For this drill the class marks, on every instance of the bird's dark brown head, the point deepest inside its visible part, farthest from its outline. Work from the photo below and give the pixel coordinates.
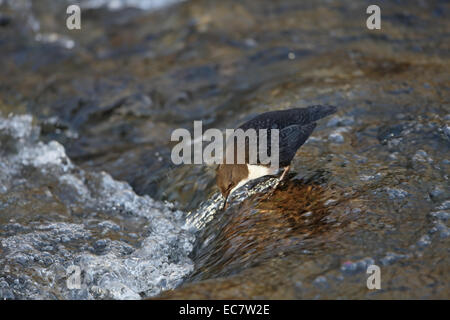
(228, 176)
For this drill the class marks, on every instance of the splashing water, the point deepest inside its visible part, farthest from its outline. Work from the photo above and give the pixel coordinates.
(124, 245)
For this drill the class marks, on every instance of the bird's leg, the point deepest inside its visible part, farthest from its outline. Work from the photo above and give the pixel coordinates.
(285, 170)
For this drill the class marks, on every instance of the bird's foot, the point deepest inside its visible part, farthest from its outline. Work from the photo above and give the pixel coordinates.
(274, 188)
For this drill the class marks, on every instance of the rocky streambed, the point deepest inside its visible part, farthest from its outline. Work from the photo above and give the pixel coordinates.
(88, 191)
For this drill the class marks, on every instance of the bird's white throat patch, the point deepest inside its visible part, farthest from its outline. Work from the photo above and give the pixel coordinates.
(255, 172)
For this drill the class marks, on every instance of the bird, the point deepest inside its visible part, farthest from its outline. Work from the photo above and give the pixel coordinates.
(295, 125)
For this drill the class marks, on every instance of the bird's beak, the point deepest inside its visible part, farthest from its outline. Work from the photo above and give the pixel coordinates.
(225, 204)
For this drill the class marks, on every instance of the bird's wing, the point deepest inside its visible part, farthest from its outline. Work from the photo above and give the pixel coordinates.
(283, 118)
(291, 139)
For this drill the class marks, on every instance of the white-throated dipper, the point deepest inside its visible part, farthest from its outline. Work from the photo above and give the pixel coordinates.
(294, 125)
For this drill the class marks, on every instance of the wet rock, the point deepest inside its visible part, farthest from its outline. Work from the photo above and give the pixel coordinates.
(443, 215)
(446, 130)
(108, 225)
(424, 241)
(350, 267)
(395, 193)
(336, 137)
(444, 231)
(56, 39)
(389, 133)
(437, 193)
(392, 257)
(421, 156)
(444, 205)
(341, 121)
(321, 281)
(138, 105)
